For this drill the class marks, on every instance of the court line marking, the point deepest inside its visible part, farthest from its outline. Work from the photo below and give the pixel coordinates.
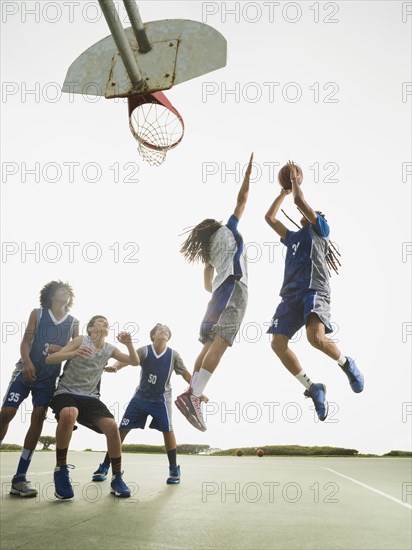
(409, 506)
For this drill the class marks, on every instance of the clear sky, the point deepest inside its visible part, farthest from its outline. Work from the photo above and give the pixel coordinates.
(327, 84)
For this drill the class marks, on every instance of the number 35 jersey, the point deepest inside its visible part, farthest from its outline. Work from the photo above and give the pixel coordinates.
(48, 331)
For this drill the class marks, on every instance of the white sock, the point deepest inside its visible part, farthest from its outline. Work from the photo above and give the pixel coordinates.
(342, 360)
(199, 384)
(304, 379)
(194, 376)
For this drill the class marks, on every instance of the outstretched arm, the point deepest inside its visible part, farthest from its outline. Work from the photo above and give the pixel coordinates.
(73, 349)
(271, 218)
(244, 191)
(298, 197)
(131, 359)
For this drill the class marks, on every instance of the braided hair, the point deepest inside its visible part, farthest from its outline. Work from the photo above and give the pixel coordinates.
(332, 253)
(197, 245)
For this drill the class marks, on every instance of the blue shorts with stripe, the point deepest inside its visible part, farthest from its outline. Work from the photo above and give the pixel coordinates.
(293, 311)
(139, 409)
(19, 389)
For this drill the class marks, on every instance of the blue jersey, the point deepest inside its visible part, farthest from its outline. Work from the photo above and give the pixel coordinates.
(48, 331)
(156, 372)
(305, 264)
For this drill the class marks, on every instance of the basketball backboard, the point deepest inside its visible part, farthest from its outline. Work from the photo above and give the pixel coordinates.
(180, 50)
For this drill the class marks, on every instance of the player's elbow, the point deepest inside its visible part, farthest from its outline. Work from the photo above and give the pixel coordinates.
(134, 363)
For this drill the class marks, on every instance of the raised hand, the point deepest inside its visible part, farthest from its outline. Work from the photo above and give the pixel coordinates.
(293, 171)
(124, 337)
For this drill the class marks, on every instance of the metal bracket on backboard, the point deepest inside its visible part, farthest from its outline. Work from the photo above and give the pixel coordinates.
(181, 50)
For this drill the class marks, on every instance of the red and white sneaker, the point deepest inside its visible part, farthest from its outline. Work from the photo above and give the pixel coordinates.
(189, 405)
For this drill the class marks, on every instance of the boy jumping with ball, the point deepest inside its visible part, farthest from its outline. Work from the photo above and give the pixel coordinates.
(306, 294)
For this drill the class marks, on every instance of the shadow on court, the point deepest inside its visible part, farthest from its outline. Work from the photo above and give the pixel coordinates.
(221, 503)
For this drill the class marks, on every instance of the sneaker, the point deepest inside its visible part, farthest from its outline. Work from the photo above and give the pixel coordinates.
(189, 405)
(101, 473)
(174, 475)
(119, 487)
(354, 375)
(318, 393)
(20, 487)
(62, 485)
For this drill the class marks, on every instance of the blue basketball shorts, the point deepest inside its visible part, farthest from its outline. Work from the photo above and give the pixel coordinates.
(19, 389)
(293, 311)
(138, 410)
(225, 311)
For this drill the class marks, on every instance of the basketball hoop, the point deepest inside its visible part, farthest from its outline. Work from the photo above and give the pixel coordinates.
(155, 124)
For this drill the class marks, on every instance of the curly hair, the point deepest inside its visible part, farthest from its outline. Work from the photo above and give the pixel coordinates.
(48, 291)
(197, 245)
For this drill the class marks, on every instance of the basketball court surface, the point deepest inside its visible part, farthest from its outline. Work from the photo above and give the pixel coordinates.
(221, 503)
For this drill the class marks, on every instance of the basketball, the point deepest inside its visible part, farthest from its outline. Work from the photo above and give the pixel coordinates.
(260, 452)
(239, 452)
(284, 176)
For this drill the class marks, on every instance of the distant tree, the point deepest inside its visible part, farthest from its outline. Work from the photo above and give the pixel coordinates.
(46, 441)
(11, 447)
(188, 449)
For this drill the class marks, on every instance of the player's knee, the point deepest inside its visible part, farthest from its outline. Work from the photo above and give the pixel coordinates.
(38, 416)
(7, 414)
(68, 416)
(316, 340)
(110, 428)
(279, 346)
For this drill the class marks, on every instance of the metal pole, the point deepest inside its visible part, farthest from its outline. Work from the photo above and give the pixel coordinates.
(119, 36)
(138, 29)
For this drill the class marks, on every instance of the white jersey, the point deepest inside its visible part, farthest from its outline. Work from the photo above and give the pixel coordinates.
(227, 254)
(81, 375)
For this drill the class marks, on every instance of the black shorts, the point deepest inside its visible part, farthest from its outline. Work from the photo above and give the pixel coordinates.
(90, 409)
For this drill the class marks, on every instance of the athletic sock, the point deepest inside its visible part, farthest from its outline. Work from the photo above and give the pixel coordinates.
(106, 460)
(200, 383)
(61, 457)
(304, 379)
(342, 360)
(194, 376)
(24, 461)
(172, 456)
(116, 465)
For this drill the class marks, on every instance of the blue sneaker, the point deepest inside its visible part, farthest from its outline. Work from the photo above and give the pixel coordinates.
(318, 394)
(62, 485)
(354, 375)
(101, 473)
(119, 487)
(174, 475)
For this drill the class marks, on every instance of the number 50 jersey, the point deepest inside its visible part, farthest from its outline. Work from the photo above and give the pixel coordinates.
(156, 372)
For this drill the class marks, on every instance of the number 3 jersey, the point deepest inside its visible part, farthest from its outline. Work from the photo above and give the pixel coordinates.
(49, 332)
(156, 372)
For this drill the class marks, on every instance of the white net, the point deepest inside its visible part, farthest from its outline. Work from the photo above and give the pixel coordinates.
(156, 128)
